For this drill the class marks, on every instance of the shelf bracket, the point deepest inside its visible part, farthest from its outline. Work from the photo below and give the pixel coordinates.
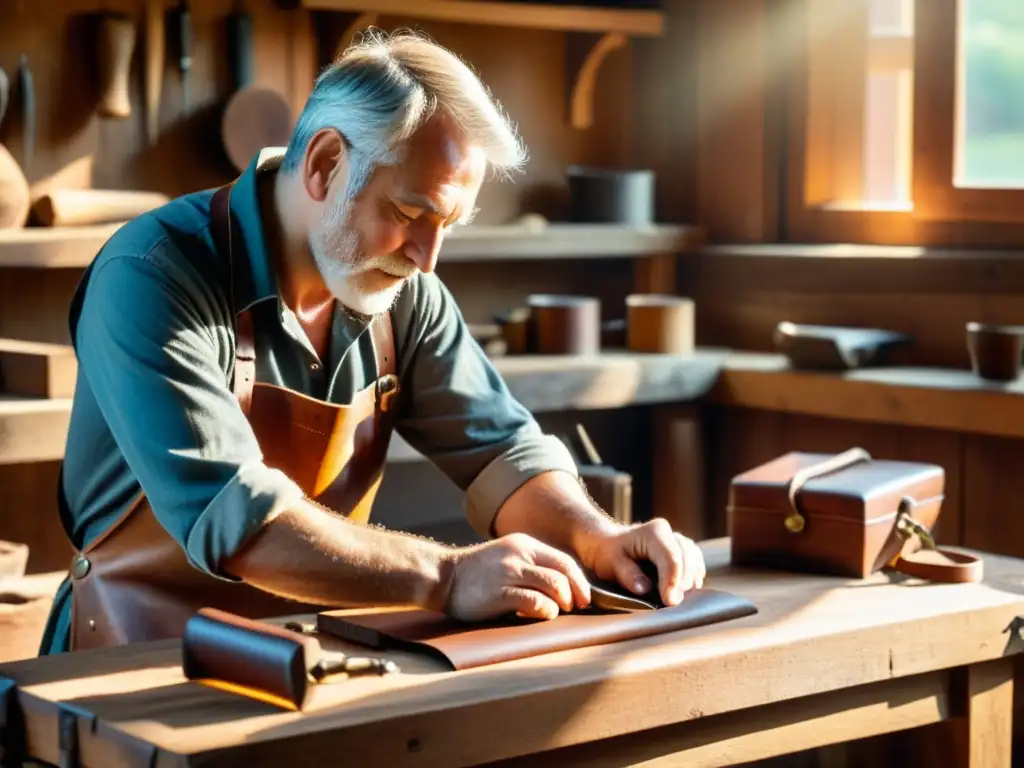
(581, 101)
(361, 23)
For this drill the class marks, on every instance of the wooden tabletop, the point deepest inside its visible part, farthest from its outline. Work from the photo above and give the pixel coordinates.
(811, 635)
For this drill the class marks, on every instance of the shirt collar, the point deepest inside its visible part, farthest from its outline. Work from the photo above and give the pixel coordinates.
(254, 277)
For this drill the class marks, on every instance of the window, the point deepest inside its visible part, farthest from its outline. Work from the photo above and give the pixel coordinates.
(908, 115)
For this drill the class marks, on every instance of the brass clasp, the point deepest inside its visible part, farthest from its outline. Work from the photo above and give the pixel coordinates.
(907, 526)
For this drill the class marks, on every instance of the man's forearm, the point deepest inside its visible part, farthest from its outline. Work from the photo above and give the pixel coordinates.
(554, 508)
(310, 554)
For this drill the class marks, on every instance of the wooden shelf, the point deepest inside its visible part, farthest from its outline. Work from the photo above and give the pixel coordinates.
(33, 429)
(53, 247)
(932, 398)
(66, 247)
(36, 429)
(567, 18)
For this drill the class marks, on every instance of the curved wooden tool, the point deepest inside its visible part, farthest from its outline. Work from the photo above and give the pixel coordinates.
(154, 72)
(117, 42)
(254, 117)
(79, 207)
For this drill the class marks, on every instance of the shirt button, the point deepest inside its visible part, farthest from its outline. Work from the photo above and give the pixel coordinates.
(314, 367)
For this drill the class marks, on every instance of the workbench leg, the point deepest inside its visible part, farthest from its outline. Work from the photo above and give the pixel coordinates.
(678, 473)
(985, 736)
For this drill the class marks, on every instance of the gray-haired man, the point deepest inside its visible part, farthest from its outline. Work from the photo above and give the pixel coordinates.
(232, 350)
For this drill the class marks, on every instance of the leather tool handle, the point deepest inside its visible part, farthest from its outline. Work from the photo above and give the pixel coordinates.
(117, 42)
(80, 207)
(940, 564)
(154, 73)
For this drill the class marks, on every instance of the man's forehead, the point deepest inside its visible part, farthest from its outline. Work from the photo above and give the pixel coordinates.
(438, 154)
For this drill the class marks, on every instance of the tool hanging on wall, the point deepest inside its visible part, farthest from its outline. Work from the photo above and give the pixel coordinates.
(183, 29)
(5, 92)
(14, 192)
(116, 46)
(255, 117)
(28, 113)
(154, 67)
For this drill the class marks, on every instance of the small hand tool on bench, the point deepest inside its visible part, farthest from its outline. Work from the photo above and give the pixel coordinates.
(264, 661)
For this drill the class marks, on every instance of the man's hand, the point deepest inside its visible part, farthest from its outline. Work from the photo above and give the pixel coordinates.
(515, 573)
(614, 555)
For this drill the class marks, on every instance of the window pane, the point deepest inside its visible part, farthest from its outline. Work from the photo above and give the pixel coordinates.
(892, 16)
(990, 130)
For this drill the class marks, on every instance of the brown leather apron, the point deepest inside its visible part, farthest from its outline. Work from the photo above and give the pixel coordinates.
(134, 584)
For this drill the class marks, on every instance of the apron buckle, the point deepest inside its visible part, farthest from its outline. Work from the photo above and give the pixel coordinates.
(387, 389)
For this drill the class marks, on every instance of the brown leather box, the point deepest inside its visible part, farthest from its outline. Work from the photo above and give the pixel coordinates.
(845, 515)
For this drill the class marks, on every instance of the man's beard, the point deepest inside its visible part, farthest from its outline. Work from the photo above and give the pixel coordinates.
(347, 272)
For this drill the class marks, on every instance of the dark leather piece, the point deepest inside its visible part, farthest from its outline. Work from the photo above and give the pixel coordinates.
(465, 646)
(262, 658)
(139, 586)
(849, 512)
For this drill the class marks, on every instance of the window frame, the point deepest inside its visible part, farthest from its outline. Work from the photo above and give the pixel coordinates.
(821, 193)
(936, 93)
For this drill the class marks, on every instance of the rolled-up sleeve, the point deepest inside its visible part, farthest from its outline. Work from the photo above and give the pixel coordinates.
(147, 345)
(458, 412)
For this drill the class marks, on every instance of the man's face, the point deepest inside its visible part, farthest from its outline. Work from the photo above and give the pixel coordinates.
(367, 247)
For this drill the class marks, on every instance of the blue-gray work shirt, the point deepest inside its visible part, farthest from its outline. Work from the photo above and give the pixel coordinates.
(153, 409)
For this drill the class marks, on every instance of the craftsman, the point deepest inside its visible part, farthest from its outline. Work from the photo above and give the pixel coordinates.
(316, 267)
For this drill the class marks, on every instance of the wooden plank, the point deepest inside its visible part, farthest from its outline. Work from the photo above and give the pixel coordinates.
(33, 429)
(36, 369)
(813, 635)
(646, 23)
(64, 247)
(53, 247)
(777, 729)
(921, 397)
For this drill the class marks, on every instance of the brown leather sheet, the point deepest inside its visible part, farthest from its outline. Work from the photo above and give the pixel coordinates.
(465, 646)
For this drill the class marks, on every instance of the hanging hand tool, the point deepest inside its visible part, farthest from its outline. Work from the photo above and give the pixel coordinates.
(28, 113)
(117, 43)
(183, 27)
(154, 68)
(254, 117)
(5, 90)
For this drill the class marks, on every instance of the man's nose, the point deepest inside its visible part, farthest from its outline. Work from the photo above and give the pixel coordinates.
(423, 247)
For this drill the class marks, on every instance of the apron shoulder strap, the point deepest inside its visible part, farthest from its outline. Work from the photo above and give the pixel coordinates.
(382, 332)
(245, 340)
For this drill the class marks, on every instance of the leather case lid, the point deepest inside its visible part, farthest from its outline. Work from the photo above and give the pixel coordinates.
(465, 646)
(860, 492)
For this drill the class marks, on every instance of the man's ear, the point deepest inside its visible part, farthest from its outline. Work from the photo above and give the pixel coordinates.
(326, 160)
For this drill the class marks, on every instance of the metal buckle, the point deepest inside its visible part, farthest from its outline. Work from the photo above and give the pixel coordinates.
(388, 387)
(12, 726)
(907, 526)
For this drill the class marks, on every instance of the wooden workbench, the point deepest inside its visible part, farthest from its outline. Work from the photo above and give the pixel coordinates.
(824, 661)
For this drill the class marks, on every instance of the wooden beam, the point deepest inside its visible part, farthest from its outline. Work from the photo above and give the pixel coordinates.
(567, 18)
(59, 247)
(779, 729)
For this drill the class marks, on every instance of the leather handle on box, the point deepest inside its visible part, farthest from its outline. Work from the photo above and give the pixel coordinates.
(944, 565)
(795, 520)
